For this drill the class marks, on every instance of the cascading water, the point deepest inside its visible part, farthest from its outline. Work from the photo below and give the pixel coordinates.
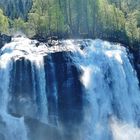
(9, 125)
(76, 90)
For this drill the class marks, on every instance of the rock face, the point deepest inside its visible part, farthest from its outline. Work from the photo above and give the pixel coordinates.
(4, 39)
(68, 86)
(135, 60)
(64, 93)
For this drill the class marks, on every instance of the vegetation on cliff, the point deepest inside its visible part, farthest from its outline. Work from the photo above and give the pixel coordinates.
(113, 20)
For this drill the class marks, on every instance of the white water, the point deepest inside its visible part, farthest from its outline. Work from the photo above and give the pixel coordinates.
(11, 130)
(39, 63)
(111, 92)
(112, 96)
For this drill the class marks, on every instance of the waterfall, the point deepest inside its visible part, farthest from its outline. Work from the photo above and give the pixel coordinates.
(9, 126)
(112, 93)
(75, 90)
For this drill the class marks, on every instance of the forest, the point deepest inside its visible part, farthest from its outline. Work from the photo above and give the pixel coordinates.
(113, 20)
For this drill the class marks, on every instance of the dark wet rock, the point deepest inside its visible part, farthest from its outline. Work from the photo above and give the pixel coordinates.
(82, 47)
(37, 44)
(22, 103)
(53, 41)
(53, 38)
(134, 57)
(4, 39)
(24, 99)
(39, 38)
(68, 87)
(18, 35)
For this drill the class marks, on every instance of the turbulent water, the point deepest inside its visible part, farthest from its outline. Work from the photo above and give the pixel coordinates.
(76, 90)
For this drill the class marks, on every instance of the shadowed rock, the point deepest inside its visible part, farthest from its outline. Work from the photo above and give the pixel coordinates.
(4, 39)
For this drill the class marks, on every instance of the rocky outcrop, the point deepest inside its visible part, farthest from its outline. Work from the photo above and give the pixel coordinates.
(4, 39)
(136, 61)
(49, 41)
(25, 100)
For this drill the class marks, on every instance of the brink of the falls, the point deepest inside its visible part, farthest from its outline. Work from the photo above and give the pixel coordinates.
(76, 90)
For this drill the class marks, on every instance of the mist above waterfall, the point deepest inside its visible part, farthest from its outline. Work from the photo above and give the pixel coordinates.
(74, 90)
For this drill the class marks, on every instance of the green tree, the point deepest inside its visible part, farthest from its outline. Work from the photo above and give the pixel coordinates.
(3, 23)
(19, 25)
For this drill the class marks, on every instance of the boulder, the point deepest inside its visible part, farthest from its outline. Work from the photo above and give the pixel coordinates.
(4, 39)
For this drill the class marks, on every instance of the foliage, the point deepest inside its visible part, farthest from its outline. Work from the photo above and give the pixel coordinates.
(114, 20)
(16, 8)
(3, 23)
